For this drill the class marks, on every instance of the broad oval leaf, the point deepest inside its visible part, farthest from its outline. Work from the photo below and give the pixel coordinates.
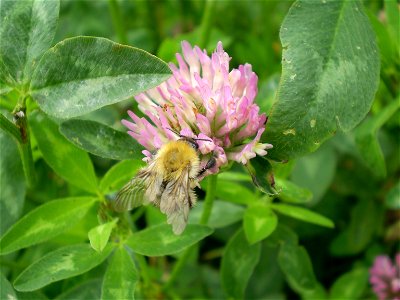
(238, 263)
(330, 73)
(86, 290)
(291, 192)
(159, 240)
(223, 214)
(62, 263)
(259, 222)
(296, 265)
(350, 285)
(71, 163)
(27, 29)
(120, 278)
(6, 290)
(82, 74)
(45, 222)
(12, 182)
(119, 174)
(303, 214)
(101, 140)
(99, 236)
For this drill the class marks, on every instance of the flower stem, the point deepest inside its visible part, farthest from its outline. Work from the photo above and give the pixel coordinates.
(19, 131)
(208, 205)
(206, 23)
(209, 201)
(117, 21)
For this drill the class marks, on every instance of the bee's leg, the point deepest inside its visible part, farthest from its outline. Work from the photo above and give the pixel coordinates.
(211, 163)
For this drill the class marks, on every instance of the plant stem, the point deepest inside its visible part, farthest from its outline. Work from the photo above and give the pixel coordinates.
(208, 205)
(209, 201)
(117, 21)
(206, 23)
(19, 131)
(10, 128)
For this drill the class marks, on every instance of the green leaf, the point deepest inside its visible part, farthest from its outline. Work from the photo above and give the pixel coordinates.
(45, 222)
(223, 214)
(69, 162)
(237, 265)
(392, 199)
(159, 240)
(12, 182)
(95, 72)
(6, 290)
(260, 171)
(330, 73)
(87, 290)
(364, 221)
(350, 285)
(101, 140)
(282, 234)
(62, 263)
(309, 173)
(232, 192)
(27, 29)
(296, 265)
(302, 214)
(292, 193)
(120, 278)
(259, 222)
(119, 174)
(393, 19)
(367, 142)
(99, 236)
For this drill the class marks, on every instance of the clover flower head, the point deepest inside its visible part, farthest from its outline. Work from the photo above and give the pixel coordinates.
(385, 277)
(203, 100)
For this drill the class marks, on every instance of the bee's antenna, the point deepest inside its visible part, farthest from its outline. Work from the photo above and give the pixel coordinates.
(206, 140)
(177, 133)
(180, 135)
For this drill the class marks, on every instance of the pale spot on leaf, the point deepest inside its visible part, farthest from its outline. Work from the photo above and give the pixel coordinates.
(290, 131)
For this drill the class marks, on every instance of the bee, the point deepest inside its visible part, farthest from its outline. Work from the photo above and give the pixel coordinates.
(167, 182)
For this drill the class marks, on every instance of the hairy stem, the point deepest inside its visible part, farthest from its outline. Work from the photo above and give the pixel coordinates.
(209, 200)
(206, 23)
(117, 21)
(19, 130)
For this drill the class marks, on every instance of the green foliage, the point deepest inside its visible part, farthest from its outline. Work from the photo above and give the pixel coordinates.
(100, 139)
(27, 31)
(350, 285)
(330, 72)
(63, 263)
(120, 278)
(100, 235)
(69, 162)
(259, 221)
(12, 184)
(96, 72)
(237, 264)
(257, 239)
(302, 214)
(296, 265)
(45, 222)
(159, 240)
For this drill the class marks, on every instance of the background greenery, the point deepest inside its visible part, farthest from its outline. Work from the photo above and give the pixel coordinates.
(337, 207)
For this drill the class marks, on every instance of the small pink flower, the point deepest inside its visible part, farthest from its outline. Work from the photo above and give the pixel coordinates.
(203, 100)
(385, 277)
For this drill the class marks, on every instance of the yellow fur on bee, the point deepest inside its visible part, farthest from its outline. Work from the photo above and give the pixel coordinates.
(175, 157)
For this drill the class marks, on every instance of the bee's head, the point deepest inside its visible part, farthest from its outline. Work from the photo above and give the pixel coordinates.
(191, 141)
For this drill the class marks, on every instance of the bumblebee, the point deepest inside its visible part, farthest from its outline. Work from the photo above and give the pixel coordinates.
(167, 182)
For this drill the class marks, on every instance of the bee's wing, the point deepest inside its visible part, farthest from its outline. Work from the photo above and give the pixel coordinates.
(131, 195)
(176, 201)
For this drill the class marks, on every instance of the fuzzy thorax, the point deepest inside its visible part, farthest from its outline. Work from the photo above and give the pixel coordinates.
(177, 156)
